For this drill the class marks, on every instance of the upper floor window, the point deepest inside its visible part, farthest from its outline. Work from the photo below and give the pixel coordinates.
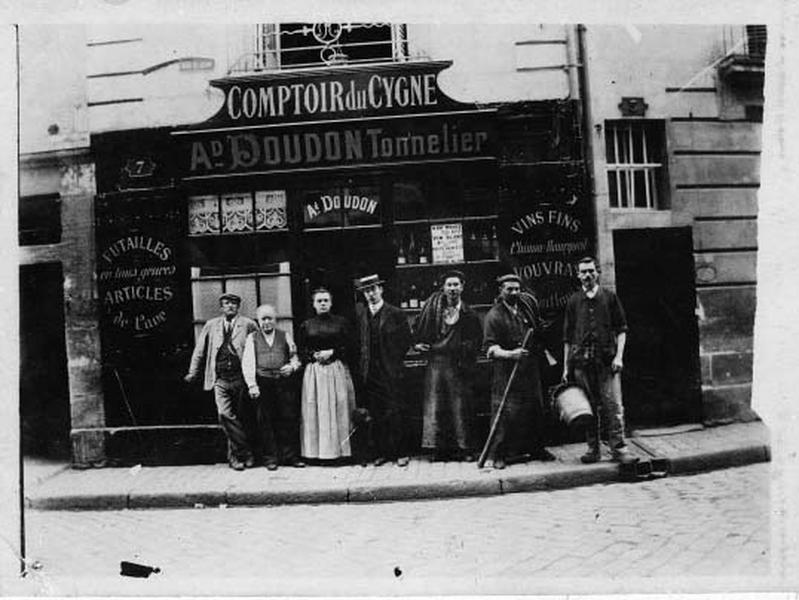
(300, 45)
(756, 40)
(39, 220)
(635, 154)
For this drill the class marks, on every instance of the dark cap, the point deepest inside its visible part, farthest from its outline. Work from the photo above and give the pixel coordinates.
(454, 273)
(509, 277)
(368, 281)
(231, 297)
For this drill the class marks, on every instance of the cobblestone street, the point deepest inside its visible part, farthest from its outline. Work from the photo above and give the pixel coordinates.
(713, 525)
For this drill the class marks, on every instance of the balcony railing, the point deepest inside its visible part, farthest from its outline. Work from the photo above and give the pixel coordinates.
(306, 45)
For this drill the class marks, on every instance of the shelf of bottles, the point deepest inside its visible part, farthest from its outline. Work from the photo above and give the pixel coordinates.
(427, 249)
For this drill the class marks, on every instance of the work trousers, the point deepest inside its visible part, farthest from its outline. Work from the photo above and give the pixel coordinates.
(520, 427)
(447, 405)
(604, 392)
(277, 420)
(386, 408)
(231, 406)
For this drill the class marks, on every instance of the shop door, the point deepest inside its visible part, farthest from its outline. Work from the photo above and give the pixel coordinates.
(655, 281)
(335, 259)
(44, 390)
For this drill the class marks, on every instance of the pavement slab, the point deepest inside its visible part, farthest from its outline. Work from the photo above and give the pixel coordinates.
(688, 449)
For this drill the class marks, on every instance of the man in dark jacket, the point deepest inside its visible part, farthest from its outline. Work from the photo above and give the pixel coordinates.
(384, 336)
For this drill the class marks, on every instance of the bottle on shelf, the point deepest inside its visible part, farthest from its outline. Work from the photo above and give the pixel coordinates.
(403, 297)
(472, 247)
(401, 251)
(494, 242)
(413, 297)
(413, 255)
(485, 245)
(423, 249)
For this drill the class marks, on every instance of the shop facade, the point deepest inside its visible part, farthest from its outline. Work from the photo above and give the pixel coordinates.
(406, 152)
(317, 178)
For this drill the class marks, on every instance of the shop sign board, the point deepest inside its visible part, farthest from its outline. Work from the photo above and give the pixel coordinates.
(333, 93)
(344, 206)
(548, 231)
(335, 145)
(137, 267)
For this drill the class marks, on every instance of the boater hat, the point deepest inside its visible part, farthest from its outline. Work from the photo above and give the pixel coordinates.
(231, 297)
(368, 281)
(508, 277)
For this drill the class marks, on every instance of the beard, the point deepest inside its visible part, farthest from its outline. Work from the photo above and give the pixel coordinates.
(512, 300)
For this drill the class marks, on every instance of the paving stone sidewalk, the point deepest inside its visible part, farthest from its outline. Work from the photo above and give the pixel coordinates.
(689, 449)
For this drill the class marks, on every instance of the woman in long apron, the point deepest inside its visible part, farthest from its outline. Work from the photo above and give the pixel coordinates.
(328, 394)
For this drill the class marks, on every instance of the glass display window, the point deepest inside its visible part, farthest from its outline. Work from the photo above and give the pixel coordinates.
(237, 212)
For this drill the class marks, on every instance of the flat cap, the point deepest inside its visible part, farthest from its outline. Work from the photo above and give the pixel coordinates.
(509, 277)
(231, 297)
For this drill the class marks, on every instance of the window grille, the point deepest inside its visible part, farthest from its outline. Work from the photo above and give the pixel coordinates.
(756, 40)
(634, 155)
(302, 45)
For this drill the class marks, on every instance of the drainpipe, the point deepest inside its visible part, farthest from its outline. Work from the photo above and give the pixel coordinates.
(584, 110)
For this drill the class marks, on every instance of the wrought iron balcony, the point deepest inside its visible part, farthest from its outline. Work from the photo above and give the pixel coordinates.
(306, 45)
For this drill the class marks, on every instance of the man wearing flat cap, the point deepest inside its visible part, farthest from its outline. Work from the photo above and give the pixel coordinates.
(449, 332)
(506, 326)
(384, 337)
(218, 353)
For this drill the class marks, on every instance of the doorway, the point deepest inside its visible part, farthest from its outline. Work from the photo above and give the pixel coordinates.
(43, 382)
(335, 259)
(655, 282)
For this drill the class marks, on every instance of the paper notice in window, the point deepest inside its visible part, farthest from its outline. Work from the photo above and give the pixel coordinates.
(447, 242)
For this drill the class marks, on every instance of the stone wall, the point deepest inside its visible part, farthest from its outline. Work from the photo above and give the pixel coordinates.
(714, 171)
(71, 175)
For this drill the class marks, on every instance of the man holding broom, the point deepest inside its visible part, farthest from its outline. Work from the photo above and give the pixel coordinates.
(510, 336)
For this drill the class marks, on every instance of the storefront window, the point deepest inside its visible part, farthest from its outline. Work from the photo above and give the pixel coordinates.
(443, 220)
(237, 213)
(272, 287)
(203, 215)
(241, 212)
(270, 210)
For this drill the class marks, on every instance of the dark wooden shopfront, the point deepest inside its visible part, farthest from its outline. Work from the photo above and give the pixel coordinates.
(272, 206)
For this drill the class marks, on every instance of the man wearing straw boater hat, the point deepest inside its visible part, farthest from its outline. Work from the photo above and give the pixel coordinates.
(511, 333)
(594, 335)
(384, 337)
(450, 334)
(218, 352)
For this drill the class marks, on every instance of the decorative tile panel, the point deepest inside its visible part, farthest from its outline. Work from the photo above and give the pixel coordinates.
(270, 210)
(203, 215)
(236, 212)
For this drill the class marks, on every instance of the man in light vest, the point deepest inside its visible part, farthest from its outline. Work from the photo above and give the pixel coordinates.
(269, 361)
